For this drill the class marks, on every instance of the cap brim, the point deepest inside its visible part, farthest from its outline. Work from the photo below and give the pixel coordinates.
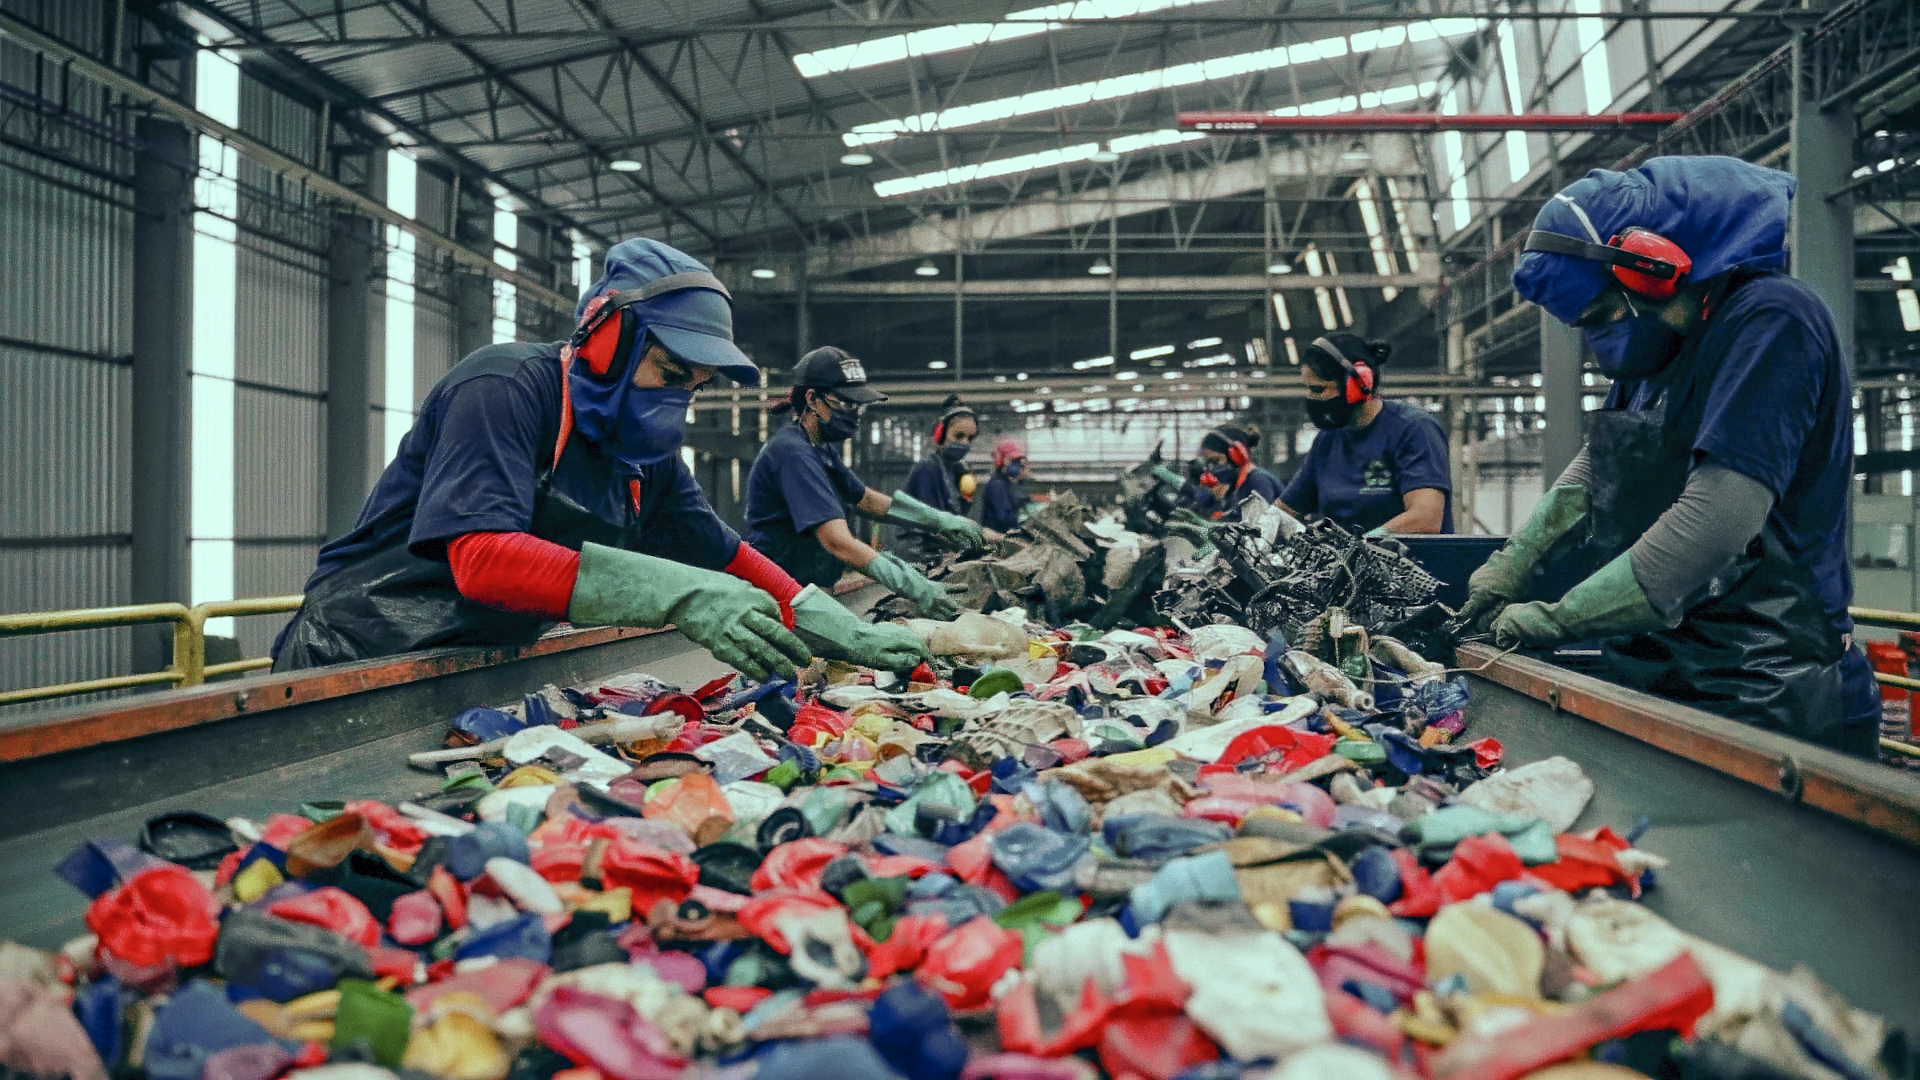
(709, 351)
(858, 393)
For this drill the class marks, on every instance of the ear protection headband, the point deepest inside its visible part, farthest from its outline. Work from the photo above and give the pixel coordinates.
(605, 337)
(1358, 385)
(1643, 262)
(948, 417)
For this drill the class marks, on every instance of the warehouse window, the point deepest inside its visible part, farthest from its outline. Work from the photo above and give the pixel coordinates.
(1517, 163)
(1456, 157)
(1902, 270)
(211, 365)
(1280, 311)
(1400, 220)
(583, 266)
(1320, 294)
(402, 193)
(1595, 72)
(506, 298)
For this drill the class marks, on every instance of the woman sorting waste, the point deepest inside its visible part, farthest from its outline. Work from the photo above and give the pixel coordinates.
(942, 480)
(799, 490)
(543, 482)
(1377, 466)
(1709, 504)
(1231, 476)
(1006, 499)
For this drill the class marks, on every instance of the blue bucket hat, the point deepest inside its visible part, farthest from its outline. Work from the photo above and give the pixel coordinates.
(1724, 213)
(694, 324)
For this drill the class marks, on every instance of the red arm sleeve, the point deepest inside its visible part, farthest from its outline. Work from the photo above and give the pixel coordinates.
(514, 571)
(756, 569)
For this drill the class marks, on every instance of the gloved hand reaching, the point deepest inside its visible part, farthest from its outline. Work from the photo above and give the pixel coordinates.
(912, 511)
(832, 631)
(1503, 578)
(735, 621)
(1608, 604)
(928, 598)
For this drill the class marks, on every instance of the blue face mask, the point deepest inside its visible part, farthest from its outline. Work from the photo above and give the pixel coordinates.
(956, 452)
(1634, 347)
(1014, 469)
(839, 425)
(652, 425)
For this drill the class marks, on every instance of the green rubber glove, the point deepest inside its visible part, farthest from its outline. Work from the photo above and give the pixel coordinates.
(929, 599)
(832, 631)
(1378, 532)
(1609, 604)
(737, 622)
(1166, 475)
(1503, 577)
(912, 511)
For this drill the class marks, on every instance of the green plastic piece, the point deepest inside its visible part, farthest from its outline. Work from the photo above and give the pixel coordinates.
(826, 807)
(938, 789)
(998, 681)
(1435, 834)
(1361, 753)
(1039, 909)
(784, 775)
(525, 818)
(735, 621)
(832, 631)
(470, 780)
(873, 903)
(381, 1020)
(322, 810)
(928, 598)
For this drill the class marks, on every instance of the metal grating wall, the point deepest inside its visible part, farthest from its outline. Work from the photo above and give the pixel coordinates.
(66, 236)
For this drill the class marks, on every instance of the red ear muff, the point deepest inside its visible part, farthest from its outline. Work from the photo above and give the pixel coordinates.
(1654, 246)
(606, 345)
(1237, 453)
(939, 431)
(1359, 383)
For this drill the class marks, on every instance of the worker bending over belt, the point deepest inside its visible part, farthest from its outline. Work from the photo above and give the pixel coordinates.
(1231, 477)
(800, 489)
(942, 480)
(1710, 501)
(1377, 466)
(543, 482)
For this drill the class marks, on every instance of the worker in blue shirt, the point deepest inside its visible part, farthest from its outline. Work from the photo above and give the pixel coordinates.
(800, 490)
(543, 482)
(1006, 500)
(1377, 466)
(943, 481)
(1710, 503)
(1231, 476)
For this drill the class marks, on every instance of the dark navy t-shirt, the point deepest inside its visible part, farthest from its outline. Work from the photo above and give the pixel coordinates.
(1004, 499)
(1359, 477)
(1258, 482)
(794, 488)
(1779, 410)
(474, 457)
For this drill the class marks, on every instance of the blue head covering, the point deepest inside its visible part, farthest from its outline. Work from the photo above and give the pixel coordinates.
(1723, 212)
(695, 325)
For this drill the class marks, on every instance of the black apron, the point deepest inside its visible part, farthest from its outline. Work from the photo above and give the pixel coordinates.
(1756, 644)
(393, 601)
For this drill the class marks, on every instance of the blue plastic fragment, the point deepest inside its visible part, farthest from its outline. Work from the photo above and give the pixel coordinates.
(196, 1022)
(100, 864)
(467, 855)
(1034, 858)
(99, 1007)
(912, 1029)
(523, 935)
(1373, 994)
(1376, 874)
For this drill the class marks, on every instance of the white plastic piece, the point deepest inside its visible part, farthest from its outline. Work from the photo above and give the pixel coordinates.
(1221, 641)
(434, 822)
(1208, 743)
(735, 757)
(523, 885)
(1252, 991)
(599, 768)
(1331, 1060)
(1553, 790)
(493, 806)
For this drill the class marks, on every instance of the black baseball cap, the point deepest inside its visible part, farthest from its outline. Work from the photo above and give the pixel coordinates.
(832, 368)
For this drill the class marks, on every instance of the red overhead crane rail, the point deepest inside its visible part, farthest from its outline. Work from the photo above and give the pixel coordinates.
(1232, 123)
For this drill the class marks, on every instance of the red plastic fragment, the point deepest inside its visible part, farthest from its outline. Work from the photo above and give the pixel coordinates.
(453, 899)
(1487, 752)
(1478, 864)
(415, 918)
(906, 946)
(333, 909)
(796, 864)
(159, 914)
(963, 966)
(1587, 862)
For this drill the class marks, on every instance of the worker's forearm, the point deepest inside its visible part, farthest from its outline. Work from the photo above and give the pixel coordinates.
(1718, 513)
(1415, 522)
(1578, 471)
(874, 504)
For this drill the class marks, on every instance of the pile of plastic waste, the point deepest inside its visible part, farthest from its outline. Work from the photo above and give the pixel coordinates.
(1056, 852)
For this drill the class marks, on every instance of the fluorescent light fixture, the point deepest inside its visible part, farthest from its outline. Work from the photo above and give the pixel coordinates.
(999, 378)
(1168, 78)
(1138, 387)
(927, 269)
(1100, 267)
(1020, 376)
(1105, 157)
(1203, 343)
(1145, 354)
(1279, 266)
(936, 365)
(1016, 403)
(1376, 234)
(1210, 361)
(939, 39)
(1098, 361)
(1093, 389)
(856, 158)
(763, 273)
(624, 165)
(985, 170)
(1169, 374)
(1123, 376)
(1127, 144)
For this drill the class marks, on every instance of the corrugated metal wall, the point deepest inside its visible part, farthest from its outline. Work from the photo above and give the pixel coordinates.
(66, 236)
(280, 346)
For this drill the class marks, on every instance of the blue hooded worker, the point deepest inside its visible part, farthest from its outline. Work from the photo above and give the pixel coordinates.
(543, 482)
(1709, 504)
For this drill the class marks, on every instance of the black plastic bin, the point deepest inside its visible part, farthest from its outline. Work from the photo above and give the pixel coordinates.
(1451, 559)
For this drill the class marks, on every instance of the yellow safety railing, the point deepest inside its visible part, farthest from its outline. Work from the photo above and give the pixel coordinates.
(189, 666)
(1891, 620)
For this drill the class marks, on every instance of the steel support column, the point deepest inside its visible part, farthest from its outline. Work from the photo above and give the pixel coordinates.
(1560, 383)
(352, 462)
(1822, 159)
(163, 171)
(473, 293)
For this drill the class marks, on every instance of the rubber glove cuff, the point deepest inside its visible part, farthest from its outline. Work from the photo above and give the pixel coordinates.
(1609, 604)
(832, 631)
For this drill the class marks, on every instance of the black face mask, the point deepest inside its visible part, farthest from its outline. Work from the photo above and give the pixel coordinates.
(1634, 347)
(839, 425)
(956, 452)
(1330, 414)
